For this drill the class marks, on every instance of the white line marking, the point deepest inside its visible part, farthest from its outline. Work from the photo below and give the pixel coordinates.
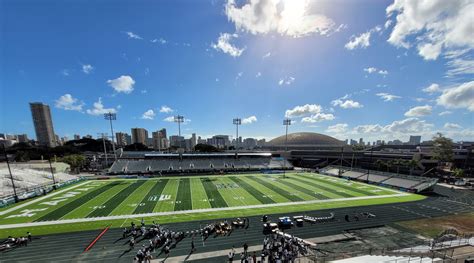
(41, 198)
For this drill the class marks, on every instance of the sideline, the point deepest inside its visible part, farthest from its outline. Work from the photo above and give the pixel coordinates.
(82, 220)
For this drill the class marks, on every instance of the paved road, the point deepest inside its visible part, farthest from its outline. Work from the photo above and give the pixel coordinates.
(69, 247)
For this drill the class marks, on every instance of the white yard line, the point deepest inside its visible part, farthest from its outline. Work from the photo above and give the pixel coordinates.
(41, 198)
(82, 220)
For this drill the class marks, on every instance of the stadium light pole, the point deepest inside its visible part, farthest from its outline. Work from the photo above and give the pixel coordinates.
(286, 122)
(237, 122)
(10, 172)
(111, 117)
(179, 119)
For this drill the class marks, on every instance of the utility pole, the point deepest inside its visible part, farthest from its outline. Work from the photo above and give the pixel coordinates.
(286, 122)
(52, 173)
(111, 117)
(10, 172)
(103, 135)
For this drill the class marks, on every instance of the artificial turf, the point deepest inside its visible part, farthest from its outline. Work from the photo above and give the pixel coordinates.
(96, 199)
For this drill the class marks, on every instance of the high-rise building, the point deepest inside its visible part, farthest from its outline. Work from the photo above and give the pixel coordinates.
(139, 135)
(22, 138)
(43, 124)
(414, 140)
(122, 138)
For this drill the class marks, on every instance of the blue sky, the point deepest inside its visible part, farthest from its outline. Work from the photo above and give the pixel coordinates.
(334, 67)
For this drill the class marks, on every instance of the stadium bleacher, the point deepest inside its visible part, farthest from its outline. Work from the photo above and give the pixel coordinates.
(404, 182)
(194, 163)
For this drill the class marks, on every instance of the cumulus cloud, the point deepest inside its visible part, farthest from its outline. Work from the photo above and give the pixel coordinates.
(433, 88)
(224, 45)
(318, 117)
(286, 81)
(68, 102)
(337, 128)
(249, 120)
(452, 126)
(458, 97)
(87, 68)
(166, 109)
(433, 26)
(347, 104)
(122, 84)
(99, 109)
(132, 35)
(149, 115)
(299, 111)
(387, 96)
(290, 18)
(419, 111)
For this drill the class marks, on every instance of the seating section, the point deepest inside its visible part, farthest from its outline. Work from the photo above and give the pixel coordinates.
(198, 164)
(410, 183)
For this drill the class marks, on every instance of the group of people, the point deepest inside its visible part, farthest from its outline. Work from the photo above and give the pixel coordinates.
(13, 242)
(163, 239)
(277, 248)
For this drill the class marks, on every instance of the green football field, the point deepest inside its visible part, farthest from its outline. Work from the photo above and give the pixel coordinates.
(95, 203)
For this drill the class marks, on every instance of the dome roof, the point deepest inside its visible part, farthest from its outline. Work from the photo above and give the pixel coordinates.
(305, 139)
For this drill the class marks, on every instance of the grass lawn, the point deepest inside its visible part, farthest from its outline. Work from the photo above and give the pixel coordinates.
(431, 227)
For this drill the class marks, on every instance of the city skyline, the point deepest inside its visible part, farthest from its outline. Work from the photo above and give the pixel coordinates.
(210, 66)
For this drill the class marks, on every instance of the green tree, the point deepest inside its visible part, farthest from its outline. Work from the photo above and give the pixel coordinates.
(443, 148)
(76, 161)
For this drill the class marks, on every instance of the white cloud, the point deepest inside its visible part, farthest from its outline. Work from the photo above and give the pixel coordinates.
(99, 109)
(166, 109)
(159, 40)
(68, 102)
(249, 120)
(87, 68)
(387, 96)
(133, 35)
(122, 84)
(149, 115)
(169, 119)
(433, 26)
(290, 18)
(452, 126)
(318, 117)
(337, 128)
(460, 66)
(433, 88)
(224, 45)
(371, 70)
(65, 72)
(347, 104)
(361, 41)
(461, 96)
(444, 113)
(419, 111)
(306, 109)
(286, 81)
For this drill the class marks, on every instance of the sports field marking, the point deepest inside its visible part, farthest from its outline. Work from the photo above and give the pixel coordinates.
(79, 220)
(149, 201)
(36, 200)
